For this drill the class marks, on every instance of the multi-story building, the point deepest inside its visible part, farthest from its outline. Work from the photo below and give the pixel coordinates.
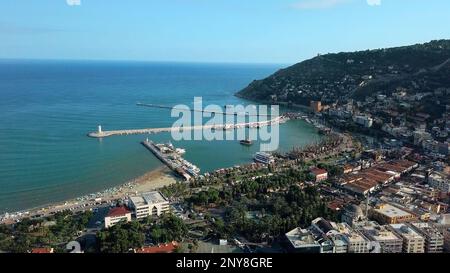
(440, 182)
(388, 241)
(329, 239)
(389, 214)
(434, 239)
(149, 204)
(356, 241)
(116, 215)
(413, 242)
(446, 233)
(443, 225)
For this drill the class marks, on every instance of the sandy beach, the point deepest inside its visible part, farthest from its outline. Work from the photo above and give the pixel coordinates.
(154, 180)
(150, 181)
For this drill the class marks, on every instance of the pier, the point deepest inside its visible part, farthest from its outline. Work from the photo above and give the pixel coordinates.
(169, 156)
(101, 134)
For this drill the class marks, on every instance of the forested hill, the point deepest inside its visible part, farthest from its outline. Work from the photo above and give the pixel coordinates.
(340, 76)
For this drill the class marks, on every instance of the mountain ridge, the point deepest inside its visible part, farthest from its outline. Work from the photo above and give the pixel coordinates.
(354, 75)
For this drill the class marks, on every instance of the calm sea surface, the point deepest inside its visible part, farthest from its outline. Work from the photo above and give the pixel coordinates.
(47, 108)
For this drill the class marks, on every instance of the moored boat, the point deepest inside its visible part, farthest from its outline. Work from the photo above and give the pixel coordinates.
(246, 142)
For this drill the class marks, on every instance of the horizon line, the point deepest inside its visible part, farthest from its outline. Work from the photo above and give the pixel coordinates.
(143, 61)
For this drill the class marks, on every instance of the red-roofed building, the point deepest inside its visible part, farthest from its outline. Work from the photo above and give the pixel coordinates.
(319, 174)
(116, 215)
(42, 250)
(162, 248)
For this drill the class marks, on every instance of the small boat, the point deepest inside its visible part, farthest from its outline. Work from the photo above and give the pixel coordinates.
(180, 151)
(246, 142)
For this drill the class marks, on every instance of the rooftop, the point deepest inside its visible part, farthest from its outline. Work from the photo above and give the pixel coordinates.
(301, 238)
(42, 250)
(427, 229)
(153, 197)
(118, 211)
(406, 232)
(138, 201)
(318, 171)
(379, 233)
(351, 234)
(391, 211)
(162, 248)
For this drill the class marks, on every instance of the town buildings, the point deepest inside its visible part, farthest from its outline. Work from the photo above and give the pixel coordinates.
(372, 177)
(388, 241)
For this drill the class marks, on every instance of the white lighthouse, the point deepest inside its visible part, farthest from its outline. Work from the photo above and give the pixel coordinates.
(99, 129)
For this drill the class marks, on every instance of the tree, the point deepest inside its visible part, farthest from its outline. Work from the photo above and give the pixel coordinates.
(121, 237)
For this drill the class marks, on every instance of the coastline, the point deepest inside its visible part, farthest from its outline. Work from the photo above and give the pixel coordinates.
(151, 180)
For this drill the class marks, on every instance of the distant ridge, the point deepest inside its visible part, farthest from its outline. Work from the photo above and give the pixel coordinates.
(341, 76)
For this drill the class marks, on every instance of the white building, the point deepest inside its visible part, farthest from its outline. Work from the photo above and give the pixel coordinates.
(363, 121)
(149, 204)
(356, 241)
(302, 241)
(439, 182)
(388, 240)
(413, 242)
(116, 215)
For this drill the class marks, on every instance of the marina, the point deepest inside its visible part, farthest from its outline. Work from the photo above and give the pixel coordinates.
(172, 157)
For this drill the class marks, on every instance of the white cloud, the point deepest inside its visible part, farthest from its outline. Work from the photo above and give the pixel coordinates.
(319, 4)
(73, 2)
(374, 2)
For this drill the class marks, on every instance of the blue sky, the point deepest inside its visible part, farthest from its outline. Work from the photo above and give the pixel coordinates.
(253, 31)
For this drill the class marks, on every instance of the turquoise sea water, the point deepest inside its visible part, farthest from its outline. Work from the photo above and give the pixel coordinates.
(48, 107)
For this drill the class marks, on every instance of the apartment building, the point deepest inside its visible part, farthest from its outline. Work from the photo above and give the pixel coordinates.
(413, 242)
(434, 239)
